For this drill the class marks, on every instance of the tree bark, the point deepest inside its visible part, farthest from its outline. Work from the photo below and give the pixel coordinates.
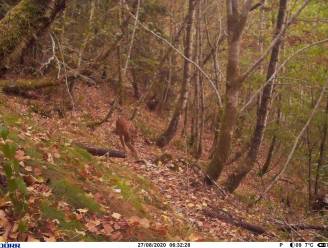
(170, 132)
(321, 159)
(236, 22)
(196, 115)
(239, 173)
(273, 145)
(22, 24)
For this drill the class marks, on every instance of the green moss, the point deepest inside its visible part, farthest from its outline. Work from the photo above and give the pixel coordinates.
(128, 193)
(68, 226)
(33, 152)
(14, 137)
(77, 153)
(75, 196)
(19, 22)
(11, 119)
(50, 212)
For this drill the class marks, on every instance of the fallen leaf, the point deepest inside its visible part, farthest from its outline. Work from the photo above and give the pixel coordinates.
(50, 158)
(190, 205)
(117, 236)
(145, 223)
(116, 216)
(20, 155)
(32, 239)
(82, 210)
(56, 155)
(117, 190)
(80, 232)
(194, 237)
(91, 226)
(134, 220)
(37, 171)
(29, 180)
(50, 239)
(108, 229)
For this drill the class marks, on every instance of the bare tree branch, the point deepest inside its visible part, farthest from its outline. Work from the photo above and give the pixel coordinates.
(290, 156)
(257, 5)
(181, 54)
(278, 70)
(132, 39)
(273, 43)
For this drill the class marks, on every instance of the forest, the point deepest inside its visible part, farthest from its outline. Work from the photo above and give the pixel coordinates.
(154, 120)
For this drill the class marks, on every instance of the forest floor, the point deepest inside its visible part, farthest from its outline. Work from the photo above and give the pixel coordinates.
(75, 196)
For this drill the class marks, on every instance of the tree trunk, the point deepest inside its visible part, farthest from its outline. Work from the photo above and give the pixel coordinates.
(22, 24)
(169, 133)
(239, 173)
(198, 114)
(267, 163)
(321, 159)
(135, 84)
(236, 23)
(88, 32)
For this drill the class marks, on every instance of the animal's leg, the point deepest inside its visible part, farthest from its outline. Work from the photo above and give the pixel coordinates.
(133, 150)
(123, 143)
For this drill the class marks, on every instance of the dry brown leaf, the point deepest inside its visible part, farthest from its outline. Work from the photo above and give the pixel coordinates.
(3, 218)
(37, 171)
(91, 227)
(194, 237)
(108, 229)
(32, 239)
(50, 239)
(82, 210)
(116, 236)
(158, 227)
(50, 158)
(190, 205)
(134, 220)
(29, 180)
(145, 223)
(116, 216)
(20, 155)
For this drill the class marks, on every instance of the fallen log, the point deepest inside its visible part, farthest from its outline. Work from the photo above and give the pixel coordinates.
(20, 86)
(228, 218)
(256, 229)
(96, 151)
